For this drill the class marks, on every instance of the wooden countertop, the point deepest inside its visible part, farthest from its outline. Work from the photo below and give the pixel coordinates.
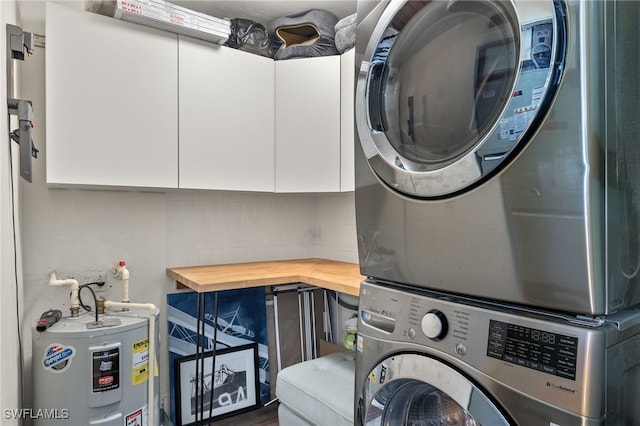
(333, 275)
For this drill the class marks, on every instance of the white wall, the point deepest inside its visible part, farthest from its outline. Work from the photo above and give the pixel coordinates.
(336, 225)
(81, 233)
(207, 227)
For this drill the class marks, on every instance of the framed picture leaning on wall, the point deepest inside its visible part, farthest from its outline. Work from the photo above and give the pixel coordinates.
(228, 388)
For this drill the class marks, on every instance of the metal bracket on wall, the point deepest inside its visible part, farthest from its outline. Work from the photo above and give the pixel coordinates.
(18, 42)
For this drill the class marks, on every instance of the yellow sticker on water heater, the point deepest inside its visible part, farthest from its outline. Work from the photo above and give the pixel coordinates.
(140, 360)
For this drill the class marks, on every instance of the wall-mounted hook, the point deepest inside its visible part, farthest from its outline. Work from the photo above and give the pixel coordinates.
(18, 42)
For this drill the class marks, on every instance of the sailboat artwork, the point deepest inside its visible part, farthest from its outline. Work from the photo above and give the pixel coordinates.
(229, 387)
(241, 321)
(213, 387)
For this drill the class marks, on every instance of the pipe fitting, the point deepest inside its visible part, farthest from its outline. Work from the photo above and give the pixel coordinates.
(151, 309)
(75, 286)
(122, 272)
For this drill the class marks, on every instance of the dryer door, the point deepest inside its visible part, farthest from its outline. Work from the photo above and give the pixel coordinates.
(410, 389)
(450, 90)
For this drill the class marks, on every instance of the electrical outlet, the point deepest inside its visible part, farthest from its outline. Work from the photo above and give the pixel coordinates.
(94, 277)
(100, 279)
(104, 287)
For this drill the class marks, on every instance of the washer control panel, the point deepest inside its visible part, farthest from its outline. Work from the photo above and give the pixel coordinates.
(550, 356)
(439, 324)
(485, 335)
(542, 350)
(419, 319)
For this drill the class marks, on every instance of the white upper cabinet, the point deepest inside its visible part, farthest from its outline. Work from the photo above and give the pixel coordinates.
(226, 99)
(131, 106)
(347, 120)
(308, 125)
(111, 101)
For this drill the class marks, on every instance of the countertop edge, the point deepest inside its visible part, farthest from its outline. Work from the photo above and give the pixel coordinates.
(339, 276)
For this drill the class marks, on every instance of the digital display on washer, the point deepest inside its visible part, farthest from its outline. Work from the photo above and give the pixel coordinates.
(540, 350)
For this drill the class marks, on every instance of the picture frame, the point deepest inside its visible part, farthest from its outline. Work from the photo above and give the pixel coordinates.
(241, 320)
(236, 387)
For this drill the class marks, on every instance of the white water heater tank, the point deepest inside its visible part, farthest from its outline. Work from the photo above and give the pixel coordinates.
(94, 376)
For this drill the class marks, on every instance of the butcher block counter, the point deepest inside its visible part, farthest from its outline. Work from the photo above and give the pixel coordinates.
(342, 277)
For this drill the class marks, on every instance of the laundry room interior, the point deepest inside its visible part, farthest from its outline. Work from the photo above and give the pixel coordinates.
(353, 212)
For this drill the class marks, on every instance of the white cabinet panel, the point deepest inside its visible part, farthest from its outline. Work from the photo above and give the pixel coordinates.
(226, 118)
(111, 101)
(347, 120)
(308, 125)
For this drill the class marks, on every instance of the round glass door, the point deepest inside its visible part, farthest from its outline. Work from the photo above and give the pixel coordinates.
(410, 389)
(412, 402)
(449, 88)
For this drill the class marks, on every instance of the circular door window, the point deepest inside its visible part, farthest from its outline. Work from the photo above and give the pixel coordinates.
(418, 390)
(448, 88)
(412, 402)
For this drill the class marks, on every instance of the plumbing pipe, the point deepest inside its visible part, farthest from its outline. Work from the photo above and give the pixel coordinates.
(123, 272)
(151, 309)
(75, 301)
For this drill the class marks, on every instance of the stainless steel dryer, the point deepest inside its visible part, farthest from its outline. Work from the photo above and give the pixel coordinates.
(498, 149)
(429, 358)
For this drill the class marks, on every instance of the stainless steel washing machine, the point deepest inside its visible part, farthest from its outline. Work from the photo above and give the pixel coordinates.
(428, 358)
(498, 149)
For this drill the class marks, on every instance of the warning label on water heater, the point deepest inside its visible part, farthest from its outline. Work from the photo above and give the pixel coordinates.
(135, 418)
(105, 368)
(140, 357)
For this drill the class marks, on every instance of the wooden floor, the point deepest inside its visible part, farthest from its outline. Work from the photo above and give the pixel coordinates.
(265, 416)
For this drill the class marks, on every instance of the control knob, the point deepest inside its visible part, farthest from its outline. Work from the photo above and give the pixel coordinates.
(434, 325)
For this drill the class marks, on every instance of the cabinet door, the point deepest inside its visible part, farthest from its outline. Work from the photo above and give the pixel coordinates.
(226, 118)
(347, 120)
(111, 101)
(308, 125)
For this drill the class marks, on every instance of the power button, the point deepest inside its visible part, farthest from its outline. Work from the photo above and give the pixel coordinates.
(461, 349)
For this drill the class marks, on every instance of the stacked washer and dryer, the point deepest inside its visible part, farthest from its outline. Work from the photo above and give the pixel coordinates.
(498, 212)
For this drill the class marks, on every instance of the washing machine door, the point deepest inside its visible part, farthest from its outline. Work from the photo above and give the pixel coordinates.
(449, 91)
(412, 389)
